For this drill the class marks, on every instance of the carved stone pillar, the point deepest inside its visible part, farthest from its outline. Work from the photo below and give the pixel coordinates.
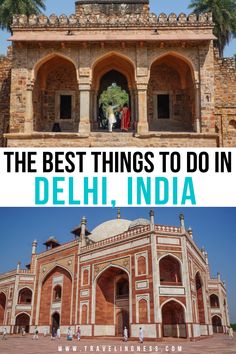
(29, 110)
(142, 127)
(197, 123)
(84, 122)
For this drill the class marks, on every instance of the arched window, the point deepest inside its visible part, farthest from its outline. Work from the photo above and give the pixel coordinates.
(25, 296)
(57, 293)
(2, 308)
(84, 317)
(214, 300)
(122, 288)
(143, 311)
(142, 265)
(170, 271)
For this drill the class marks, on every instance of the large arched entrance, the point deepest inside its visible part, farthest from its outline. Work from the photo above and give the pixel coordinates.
(171, 95)
(22, 321)
(112, 300)
(173, 320)
(55, 320)
(55, 96)
(56, 292)
(2, 308)
(114, 81)
(217, 324)
(200, 300)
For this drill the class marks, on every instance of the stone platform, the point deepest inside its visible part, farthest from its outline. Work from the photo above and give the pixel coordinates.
(219, 344)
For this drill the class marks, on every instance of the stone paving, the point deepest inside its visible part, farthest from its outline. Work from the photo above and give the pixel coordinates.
(219, 344)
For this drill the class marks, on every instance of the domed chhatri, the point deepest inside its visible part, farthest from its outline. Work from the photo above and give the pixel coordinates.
(139, 222)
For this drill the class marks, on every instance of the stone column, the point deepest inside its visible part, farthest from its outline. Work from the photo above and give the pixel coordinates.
(29, 111)
(197, 123)
(142, 127)
(84, 123)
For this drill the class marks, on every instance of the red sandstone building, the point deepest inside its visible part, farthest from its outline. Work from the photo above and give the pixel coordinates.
(180, 92)
(123, 273)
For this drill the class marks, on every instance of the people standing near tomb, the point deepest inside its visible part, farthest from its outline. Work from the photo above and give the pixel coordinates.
(125, 118)
(231, 333)
(141, 335)
(78, 334)
(4, 334)
(125, 334)
(36, 333)
(58, 333)
(23, 331)
(45, 332)
(54, 334)
(111, 116)
(69, 334)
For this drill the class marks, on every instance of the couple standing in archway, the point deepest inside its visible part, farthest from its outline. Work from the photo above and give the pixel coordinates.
(120, 118)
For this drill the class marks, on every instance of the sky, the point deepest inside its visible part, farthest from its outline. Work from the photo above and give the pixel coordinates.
(68, 6)
(213, 228)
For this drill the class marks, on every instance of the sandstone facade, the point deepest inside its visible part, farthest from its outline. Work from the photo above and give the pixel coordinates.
(154, 58)
(123, 273)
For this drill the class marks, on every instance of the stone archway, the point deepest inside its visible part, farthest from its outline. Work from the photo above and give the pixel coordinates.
(60, 278)
(112, 300)
(22, 321)
(55, 96)
(170, 271)
(25, 296)
(3, 300)
(214, 301)
(113, 68)
(217, 324)
(171, 95)
(173, 320)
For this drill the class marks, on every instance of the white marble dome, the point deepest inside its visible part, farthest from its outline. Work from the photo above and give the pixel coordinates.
(139, 222)
(109, 229)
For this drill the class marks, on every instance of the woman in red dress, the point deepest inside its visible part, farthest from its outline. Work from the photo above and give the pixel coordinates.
(125, 118)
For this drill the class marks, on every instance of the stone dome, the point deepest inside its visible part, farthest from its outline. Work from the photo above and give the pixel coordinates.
(109, 229)
(139, 222)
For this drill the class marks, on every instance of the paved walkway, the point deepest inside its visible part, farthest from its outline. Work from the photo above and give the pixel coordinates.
(219, 344)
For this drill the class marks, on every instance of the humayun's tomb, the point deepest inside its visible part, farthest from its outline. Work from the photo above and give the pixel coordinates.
(180, 92)
(123, 273)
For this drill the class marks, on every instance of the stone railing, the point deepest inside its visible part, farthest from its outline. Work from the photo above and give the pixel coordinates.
(102, 20)
(114, 239)
(171, 229)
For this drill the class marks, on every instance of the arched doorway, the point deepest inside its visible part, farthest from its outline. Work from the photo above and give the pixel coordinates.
(60, 293)
(2, 308)
(25, 296)
(170, 271)
(173, 320)
(217, 324)
(200, 300)
(55, 320)
(55, 96)
(113, 77)
(22, 321)
(171, 95)
(112, 300)
(214, 301)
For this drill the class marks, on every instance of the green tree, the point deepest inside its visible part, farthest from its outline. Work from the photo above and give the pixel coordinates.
(224, 17)
(114, 94)
(9, 8)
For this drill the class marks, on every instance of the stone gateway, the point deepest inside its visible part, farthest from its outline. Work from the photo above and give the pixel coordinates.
(179, 92)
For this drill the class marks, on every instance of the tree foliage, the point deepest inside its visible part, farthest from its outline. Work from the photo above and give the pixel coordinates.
(224, 17)
(114, 94)
(9, 8)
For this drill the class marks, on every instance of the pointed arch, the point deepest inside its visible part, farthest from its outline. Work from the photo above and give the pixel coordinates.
(170, 268)
(22, 320)
(174, 319)
(200, 298)
(3, 301)
(25, 295)
(214, 301)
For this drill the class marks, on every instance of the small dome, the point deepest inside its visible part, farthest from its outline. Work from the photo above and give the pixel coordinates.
(109, 229)
(139, 222)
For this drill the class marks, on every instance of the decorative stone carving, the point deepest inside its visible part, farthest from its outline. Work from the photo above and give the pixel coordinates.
(192, 18)
(162, 18)
(33, 20)
(172, 18)
(182, 18)
(123, 262)
(43, 20)
(63, 20)
(53, 19)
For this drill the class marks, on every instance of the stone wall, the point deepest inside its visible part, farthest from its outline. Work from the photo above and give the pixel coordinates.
(225, 101)
(5, 81)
